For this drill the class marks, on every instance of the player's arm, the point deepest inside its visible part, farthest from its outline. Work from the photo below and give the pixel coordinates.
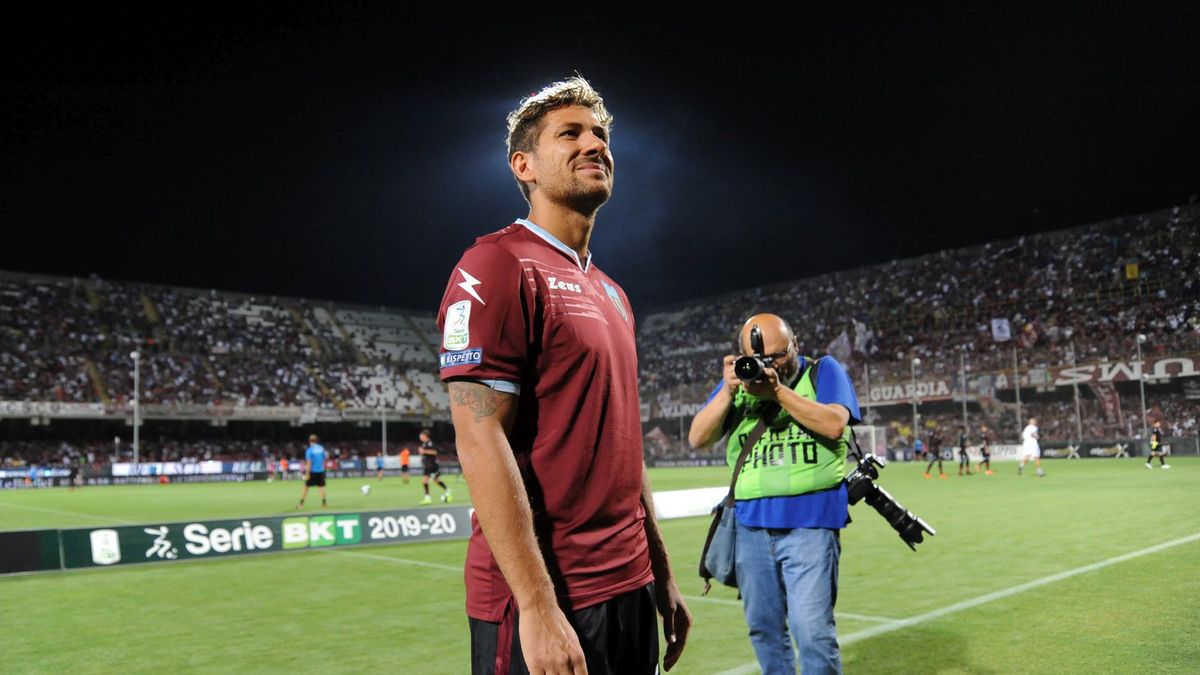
(677, 620)
(482, 418)
(709, 423)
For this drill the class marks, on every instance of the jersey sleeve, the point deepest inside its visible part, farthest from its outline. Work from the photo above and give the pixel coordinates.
(484, 319)
(834, 386)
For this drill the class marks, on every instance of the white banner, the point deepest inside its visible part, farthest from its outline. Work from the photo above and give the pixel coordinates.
(166, 468)
(1001, 330)
(840, 348)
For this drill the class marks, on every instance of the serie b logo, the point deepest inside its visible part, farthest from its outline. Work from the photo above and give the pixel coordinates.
(106, 547)
(457, 332)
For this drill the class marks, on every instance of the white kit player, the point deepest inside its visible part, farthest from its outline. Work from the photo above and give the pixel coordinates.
(1030, 448)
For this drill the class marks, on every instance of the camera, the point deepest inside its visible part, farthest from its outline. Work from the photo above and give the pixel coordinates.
(750, 368)
(860, 485)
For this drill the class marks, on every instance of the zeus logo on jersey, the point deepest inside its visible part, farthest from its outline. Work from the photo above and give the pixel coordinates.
(555, 284)
(460, 358)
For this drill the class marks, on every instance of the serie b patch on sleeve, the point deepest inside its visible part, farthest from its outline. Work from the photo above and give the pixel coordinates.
(457, 332)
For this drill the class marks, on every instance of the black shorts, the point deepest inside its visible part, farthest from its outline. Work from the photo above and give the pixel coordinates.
(432, 470)
(316, 479)
(618, 637)
(403, 468)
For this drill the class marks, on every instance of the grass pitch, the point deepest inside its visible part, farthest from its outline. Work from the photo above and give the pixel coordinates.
(1095, 568)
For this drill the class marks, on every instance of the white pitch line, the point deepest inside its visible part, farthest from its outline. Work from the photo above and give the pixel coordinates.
(750, 668)
(105, 519)
(864, 617)
(398, 561)
(738, 603)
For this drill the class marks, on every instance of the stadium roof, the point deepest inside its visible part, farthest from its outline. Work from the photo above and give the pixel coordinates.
(350, 152)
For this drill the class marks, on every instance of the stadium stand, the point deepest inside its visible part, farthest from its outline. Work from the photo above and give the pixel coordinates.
(69, 340)
(1032, 306)
(1089, 289)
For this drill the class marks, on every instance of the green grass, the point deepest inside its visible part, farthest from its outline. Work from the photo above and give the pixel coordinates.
(117, 504)
(378, 609)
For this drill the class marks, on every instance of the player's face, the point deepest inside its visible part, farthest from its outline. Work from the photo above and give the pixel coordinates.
(572, 162)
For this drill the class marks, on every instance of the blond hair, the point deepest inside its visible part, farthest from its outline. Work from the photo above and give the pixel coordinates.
(525, 123)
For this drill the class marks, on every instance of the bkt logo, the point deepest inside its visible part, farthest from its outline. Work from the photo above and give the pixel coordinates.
(321, 531)
(460, 358)
(563, 285)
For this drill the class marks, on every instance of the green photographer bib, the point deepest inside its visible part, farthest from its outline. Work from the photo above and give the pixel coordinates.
(787, 460)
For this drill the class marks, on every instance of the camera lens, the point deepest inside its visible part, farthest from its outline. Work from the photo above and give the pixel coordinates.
(747, 368)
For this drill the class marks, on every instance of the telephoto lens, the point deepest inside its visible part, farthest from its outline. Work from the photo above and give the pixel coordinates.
(860, 485)
(907, 524)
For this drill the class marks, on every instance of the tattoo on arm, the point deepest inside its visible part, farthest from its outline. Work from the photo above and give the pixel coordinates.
(483, 401)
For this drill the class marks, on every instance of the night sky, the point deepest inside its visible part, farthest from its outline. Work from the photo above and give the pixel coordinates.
(351, 151)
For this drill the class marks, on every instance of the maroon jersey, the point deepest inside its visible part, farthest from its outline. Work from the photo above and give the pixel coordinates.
(520, 313)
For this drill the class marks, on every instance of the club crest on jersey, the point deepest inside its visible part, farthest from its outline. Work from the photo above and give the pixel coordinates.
(616, 300)
(457, 332)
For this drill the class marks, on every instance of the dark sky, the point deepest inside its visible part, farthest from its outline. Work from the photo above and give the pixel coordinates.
(351, 151)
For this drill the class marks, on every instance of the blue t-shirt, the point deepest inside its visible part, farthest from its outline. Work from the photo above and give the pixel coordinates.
(315, 455)
(825, 509)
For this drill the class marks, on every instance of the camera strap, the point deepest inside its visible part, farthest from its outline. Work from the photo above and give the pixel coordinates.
(755, 434)
(725, 505)
(857, 453)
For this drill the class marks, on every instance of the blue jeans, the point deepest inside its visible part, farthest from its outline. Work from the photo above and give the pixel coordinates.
(788, 579)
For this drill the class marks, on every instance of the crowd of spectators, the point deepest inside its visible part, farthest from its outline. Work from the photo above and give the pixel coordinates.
(1081, 295)
(72, 340)
(1074, 296)
(44, 330)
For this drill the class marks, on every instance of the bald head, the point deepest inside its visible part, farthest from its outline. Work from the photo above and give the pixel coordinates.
(776, 333)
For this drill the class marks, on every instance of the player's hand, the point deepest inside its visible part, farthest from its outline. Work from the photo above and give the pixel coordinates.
(765, 386)
(549, 643)
(677, 620)
(732, 382)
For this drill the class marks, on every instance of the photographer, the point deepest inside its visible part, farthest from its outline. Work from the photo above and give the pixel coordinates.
(791, 498)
